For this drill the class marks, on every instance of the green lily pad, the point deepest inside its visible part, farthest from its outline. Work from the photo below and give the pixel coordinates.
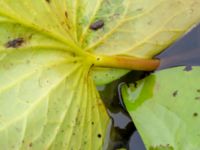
(165, 108)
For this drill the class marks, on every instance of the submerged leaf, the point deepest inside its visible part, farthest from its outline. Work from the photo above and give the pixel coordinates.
(165, 109)
(48, 99)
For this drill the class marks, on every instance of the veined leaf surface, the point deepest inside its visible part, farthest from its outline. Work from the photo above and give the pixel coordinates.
(47, 96)
(165, 109)
(139, 28)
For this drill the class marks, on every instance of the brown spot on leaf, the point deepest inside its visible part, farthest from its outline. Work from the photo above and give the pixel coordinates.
(139, 9)
(48, 1)
(15, 43)
(31, 144)
(66, 14)
(97, 25)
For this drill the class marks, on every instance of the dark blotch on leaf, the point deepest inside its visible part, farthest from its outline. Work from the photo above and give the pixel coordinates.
(198, 90)
(99, 135)
(197, 98)
(195, 114)
(139, 9)
(98, 59)
(97, 25)
(188, 68)
(31, 144)
(66, 14)
(48, 1)
(175, 93)
(15, 43)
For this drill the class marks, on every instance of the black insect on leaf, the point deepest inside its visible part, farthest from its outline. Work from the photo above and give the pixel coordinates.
(15, 43)
(97, 25)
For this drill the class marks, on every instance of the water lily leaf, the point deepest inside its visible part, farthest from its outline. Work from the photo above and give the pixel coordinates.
(161, 147)
(47, 97)
(138, 28)
(48, 48)
(48, 101)
(102, 76)
(165, 108)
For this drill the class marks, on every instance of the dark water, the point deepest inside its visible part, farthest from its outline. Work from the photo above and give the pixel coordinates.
(123, 134)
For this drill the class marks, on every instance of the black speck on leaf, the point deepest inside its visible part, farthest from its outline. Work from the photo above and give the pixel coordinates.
(97, 25)
(15, 43)
(48, 1)
(195, 114)
(175, 93)
(99, 135)
(188, 68)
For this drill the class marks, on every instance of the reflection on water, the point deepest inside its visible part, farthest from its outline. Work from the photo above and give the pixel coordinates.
(186, 52)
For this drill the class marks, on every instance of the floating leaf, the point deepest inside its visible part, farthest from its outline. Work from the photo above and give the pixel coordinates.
(165, 108)
(138, 28)
(47, 97)
(48, 48)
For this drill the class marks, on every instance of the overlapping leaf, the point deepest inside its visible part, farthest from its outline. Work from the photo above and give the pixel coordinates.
(47, 97)
(165, 109)
(138, 28)
(48, 100)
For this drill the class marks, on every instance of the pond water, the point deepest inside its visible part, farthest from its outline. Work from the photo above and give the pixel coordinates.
(123, 134)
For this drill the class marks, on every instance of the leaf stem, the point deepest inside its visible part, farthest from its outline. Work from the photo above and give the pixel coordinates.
(126, 62)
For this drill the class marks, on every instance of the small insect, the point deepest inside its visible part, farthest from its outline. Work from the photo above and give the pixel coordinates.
(15, 43)
(97, 25)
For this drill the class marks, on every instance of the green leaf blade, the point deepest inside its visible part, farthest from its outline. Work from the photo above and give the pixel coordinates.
(141, 28)
(47, 96)
(50, 99)
(164, 108)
